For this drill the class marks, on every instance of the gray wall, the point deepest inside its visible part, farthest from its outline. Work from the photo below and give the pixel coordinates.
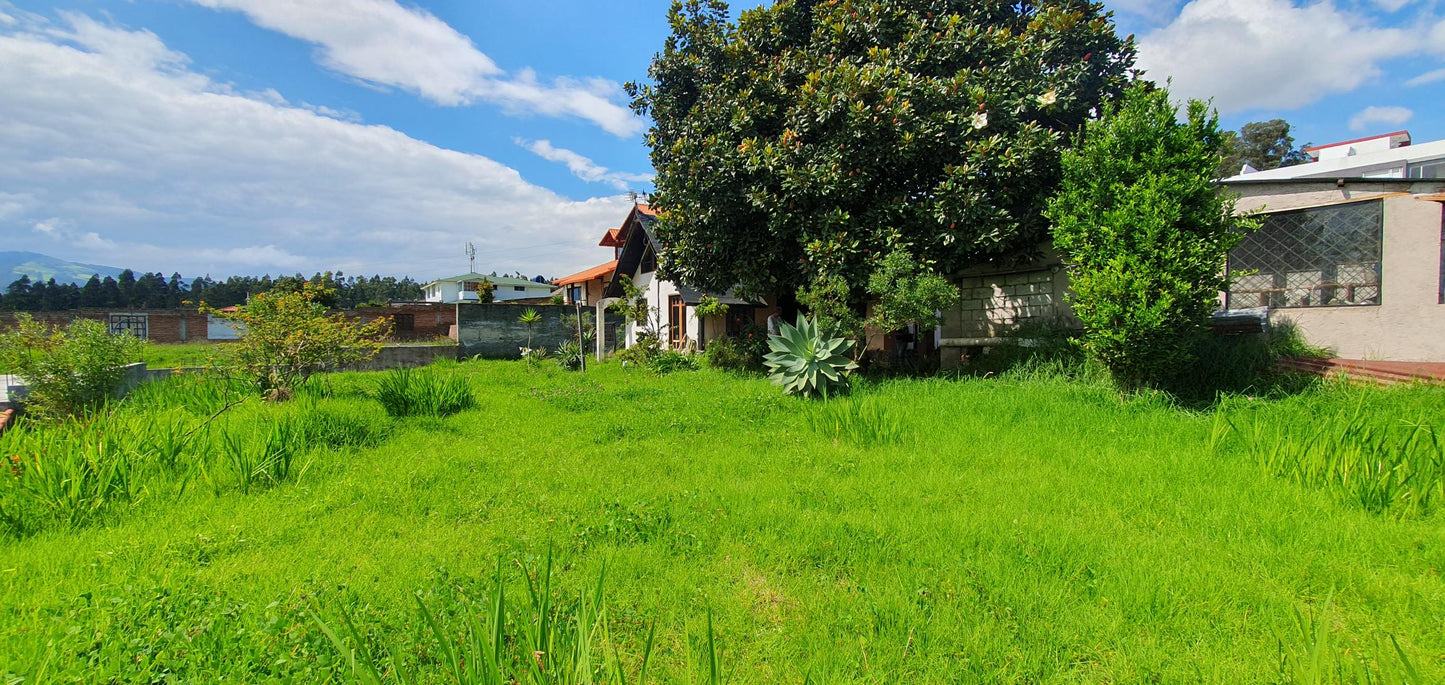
(493, 332)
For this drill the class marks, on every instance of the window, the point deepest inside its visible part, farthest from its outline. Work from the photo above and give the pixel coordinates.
(1434, 168)
(649, 261)
(471, 286)
(520, 288)
(676, 318)
(1318, 257)
(574, 294)
(135, 324)
(738, 318)
(404, 323)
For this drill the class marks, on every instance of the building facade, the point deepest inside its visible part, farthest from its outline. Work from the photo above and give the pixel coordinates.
(466, 288)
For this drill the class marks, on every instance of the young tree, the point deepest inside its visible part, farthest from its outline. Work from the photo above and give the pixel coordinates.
(286, 337)
(1146, 232)
(68, 371)
(907, 293)
(795, 147)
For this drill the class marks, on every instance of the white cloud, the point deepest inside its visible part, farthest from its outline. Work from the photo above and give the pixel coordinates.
(1269, 54)
(1427, 78)
(582, 167)
(131, 159)
(384, 43)
(1371, 116)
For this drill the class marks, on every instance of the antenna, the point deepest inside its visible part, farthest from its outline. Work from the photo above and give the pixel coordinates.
(471, 259)
(632, 194)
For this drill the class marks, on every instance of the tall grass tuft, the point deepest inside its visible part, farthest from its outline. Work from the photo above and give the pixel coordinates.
(1385, 467)
(423, 392)
(864, 421)
(548, 642)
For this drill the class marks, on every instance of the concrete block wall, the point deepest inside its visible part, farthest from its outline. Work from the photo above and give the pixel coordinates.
(493, 332)
(991, 304)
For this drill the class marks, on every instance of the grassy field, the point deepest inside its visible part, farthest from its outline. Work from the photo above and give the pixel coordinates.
(180, 355)
(1001, 530)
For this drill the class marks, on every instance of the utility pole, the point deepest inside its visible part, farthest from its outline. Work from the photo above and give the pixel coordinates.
(471, 259)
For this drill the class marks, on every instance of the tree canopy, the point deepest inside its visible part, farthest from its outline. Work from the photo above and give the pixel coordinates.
(805, 142)
(1263, 145)
(155, 291)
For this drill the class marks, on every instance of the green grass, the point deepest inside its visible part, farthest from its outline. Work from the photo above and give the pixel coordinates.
(179, 355)
(999, 530)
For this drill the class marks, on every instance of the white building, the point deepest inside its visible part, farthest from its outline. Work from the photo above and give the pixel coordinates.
(464, 288)
(1378, 157)
(673, 306)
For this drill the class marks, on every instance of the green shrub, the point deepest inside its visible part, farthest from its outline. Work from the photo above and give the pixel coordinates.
(806, 362)
(69, 371)
(423, 392)
(743, 352)
(1146, 232)
(569, 355)
(668, 361)
(646, 347)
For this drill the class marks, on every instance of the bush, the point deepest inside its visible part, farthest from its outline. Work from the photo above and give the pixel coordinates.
(806, 362)
(668, 361)
(741, 353)
(69, 371)
(640, 352)
(1146, 232)
(423, 392)
(569, 355)
(289, 336)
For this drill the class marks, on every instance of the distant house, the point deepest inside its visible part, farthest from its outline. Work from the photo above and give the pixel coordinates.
(464, 288)
(674, 306)
(1391, 155)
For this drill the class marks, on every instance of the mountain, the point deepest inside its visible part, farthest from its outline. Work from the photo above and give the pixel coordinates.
(41, 267)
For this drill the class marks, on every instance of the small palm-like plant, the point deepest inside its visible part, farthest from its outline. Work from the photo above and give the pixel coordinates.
(806, 362)
(529, 318)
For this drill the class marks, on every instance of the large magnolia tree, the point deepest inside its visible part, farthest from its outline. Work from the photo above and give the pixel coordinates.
(805, 142)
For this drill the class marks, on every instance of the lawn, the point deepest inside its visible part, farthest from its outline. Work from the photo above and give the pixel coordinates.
(181, 355)
(999, 530)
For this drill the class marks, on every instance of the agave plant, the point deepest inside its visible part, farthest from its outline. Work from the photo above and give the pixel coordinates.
(806, 362)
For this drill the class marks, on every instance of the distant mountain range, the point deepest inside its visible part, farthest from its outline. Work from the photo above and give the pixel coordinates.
(41, 267)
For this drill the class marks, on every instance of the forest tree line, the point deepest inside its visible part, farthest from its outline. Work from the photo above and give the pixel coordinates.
(155, 291)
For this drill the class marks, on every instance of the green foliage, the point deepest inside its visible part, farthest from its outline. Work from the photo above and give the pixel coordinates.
(907, 293)
(554, 642)
(1146, 233)
(1006, 515)
(708, 305)
(741, 353)
(830, 301)
(289, 336)
(807, 362)
(486, 292)
(646, 347)
(530, 318)
(558, 299)
(1394, 466)
(69, 371)
(810, 137)
(423, 392)
(569, 355)
(1263, 145)
(668, 361)
(862, 421)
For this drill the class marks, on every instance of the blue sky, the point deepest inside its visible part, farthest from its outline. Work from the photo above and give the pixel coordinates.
(226, 136)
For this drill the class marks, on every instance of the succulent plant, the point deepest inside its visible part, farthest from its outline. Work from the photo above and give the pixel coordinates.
(806, 362)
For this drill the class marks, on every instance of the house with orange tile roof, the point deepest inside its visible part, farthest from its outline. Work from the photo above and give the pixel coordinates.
(674, 306)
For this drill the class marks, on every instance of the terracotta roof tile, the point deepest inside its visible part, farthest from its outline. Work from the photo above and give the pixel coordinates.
(583, 276)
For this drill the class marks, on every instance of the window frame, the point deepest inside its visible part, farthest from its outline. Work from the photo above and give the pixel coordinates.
(1281, 275)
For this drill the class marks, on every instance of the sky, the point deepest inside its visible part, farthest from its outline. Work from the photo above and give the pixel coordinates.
(370, 136)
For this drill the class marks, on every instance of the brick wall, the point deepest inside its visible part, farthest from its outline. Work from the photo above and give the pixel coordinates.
(413, 320)
(160, 325)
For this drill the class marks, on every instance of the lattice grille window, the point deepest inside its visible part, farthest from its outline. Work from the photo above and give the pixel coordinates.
(135, 324)
(1318, 257)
